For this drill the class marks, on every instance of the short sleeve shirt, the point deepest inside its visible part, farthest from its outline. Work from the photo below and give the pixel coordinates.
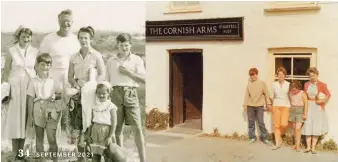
(82, 65)
(103, 116)
(60, 49)
(132, 62)
(41, 88)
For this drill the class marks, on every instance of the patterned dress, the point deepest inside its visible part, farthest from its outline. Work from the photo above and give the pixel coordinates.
(316, 123)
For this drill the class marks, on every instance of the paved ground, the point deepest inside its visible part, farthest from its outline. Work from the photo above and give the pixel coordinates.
(173, 147)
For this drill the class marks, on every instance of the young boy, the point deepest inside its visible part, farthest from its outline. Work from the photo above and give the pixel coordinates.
(125, 72)
(256, 96)
(44, 104)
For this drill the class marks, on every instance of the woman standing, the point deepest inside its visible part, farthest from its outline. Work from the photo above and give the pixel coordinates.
(19, 69)
(281, 106)
(316, 124)
(80, 72)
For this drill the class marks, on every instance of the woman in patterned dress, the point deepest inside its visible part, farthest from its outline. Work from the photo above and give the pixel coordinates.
(316, 123)
(19, 69)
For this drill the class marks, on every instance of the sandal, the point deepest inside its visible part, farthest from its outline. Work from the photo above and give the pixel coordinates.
(313, 152)
(294, 147)
(307, 151)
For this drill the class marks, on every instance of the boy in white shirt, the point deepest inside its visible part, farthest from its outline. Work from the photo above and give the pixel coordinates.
(125, 72)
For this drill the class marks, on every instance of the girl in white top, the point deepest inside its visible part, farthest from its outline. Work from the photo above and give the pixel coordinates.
(18, 71)
(102, 132)
(281, 106)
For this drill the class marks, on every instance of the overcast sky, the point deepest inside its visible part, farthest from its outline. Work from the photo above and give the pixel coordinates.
(42, 16)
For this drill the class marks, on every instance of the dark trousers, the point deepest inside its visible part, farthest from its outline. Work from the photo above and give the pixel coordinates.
(256, 113)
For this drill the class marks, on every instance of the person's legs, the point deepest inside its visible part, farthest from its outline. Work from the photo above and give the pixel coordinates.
(260, 118)
(51, 137)
(251, 122)
(308, 143)
(140, 143)
(297, 132)
(40, 136)
(117, 98)
(15, 145)
(284, 119)
(314, 143)
(276, 116)
(96, 158)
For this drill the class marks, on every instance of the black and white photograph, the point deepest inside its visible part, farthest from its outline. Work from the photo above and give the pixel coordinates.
(73, 81)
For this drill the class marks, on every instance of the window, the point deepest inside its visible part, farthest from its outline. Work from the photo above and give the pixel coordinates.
(184, 7)
(296, 65)
(295, 61)
(285, 6)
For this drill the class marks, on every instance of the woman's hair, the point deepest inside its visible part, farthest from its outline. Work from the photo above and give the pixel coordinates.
(101, 85)
(123, 37)
(88, 30)
(282, 69)
(44, 57)
(296, 84)
(253, 71)
(21, 30)
(312, 70)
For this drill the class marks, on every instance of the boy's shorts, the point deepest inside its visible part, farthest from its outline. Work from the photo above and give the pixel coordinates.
(45, 115)
(127, 102)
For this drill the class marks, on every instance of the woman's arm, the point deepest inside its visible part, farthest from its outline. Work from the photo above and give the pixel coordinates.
(71, 79)
(101, 70)
(304, 96)
(8, 67)
(113, 125)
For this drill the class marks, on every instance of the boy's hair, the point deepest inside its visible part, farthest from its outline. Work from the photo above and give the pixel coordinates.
(44, 57)
(123, 37)
(296, 84)
(101, 85)
(253, 71)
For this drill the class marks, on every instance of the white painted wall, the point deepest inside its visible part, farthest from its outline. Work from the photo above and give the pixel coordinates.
(226, 63)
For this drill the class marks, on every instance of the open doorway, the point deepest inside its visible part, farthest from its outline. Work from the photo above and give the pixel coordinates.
(186, 88)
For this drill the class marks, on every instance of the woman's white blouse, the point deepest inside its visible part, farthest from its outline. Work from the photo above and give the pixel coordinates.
(280, 94)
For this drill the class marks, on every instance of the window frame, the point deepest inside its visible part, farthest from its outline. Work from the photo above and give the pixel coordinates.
(291, 6)
(172, 9)
(296, 53)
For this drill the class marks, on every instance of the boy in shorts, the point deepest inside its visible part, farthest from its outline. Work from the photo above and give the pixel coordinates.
(44, 104)
(125, 72)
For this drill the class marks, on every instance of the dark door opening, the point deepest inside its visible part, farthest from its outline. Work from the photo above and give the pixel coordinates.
(186, 88)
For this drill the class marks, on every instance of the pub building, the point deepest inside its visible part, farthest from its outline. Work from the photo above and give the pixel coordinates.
(199, 54)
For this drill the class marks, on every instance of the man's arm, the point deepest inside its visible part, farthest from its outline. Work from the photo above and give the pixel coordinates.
(246, 97)
(266, 94)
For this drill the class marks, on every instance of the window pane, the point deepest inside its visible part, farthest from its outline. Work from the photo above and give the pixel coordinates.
(300, 65)
(285, 62)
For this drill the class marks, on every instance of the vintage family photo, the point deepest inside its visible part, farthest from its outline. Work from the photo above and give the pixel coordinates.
(73, 81)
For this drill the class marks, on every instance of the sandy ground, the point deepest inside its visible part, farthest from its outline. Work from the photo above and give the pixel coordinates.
(173, 147)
